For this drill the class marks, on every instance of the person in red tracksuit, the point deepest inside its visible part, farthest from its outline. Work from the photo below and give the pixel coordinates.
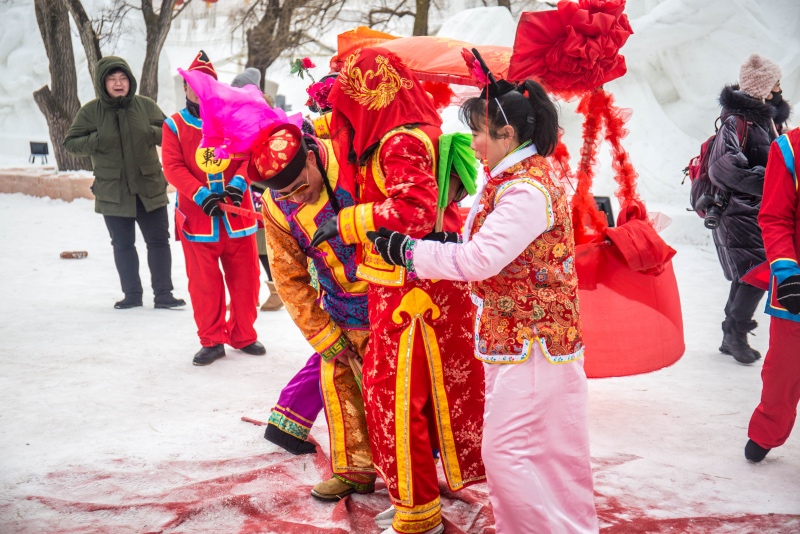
(779, 218)
(209, 235)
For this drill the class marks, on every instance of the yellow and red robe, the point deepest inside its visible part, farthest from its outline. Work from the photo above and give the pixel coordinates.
(422, 387)
(331, 320)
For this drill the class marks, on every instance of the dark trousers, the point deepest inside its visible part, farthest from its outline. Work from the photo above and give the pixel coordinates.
(265, 263)
(742, 302)
(154, 226)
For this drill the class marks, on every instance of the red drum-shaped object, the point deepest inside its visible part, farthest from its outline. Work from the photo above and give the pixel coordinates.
(631, 321)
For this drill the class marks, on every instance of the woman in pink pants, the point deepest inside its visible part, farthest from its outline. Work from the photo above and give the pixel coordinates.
(518, 253)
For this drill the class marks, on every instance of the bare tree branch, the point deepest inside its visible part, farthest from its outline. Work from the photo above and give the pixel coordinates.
(157, 26)
(112, 23)
(388, 14)
(177, 12)
(86, 31)
(271, 28)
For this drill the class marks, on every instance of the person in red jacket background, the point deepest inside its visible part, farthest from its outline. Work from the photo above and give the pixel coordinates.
(209, 235)
(779, 218)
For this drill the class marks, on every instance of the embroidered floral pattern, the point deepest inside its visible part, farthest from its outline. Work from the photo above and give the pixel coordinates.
(534, 297)
(400, 184)
(411, 273)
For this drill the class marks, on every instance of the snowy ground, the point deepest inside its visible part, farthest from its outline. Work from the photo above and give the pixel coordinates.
(105, 426)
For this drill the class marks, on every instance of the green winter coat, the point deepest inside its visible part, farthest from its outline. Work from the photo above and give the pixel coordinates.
(120, 135)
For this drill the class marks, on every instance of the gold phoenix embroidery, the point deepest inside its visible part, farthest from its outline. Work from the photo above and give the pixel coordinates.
(355, 83)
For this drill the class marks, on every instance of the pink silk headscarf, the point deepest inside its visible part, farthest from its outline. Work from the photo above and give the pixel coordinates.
(233, 116)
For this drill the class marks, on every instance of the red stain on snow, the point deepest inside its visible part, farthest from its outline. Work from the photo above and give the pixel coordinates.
(270, 493)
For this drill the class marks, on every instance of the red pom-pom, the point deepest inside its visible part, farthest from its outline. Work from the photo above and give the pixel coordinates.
(441, 94)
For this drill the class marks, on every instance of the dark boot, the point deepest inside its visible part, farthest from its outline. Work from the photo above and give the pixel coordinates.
(255, 348)
(734, 340)
(130, 301)
(755, 452)
(295, 445)
(208, 355)
(168, 302)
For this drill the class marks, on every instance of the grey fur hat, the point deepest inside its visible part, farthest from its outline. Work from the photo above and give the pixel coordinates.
(250, 76)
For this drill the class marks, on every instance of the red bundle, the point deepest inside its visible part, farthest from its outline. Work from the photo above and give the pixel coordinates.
(572, 49)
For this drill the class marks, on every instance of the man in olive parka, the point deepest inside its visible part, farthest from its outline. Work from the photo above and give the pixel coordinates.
(119, 130)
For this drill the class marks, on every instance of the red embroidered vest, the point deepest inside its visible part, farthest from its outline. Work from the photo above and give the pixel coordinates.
(535, 297)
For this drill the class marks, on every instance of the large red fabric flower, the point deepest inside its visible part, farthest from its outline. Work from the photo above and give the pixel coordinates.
(574, 48)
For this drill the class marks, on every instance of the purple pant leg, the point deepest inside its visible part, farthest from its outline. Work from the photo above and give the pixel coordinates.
(300, 401)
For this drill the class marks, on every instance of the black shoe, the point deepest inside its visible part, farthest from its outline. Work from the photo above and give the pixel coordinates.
(255, 348)
(169, 302)
(755, 452)
(734, 341)
(208, 355)
(296, 446)
(128, 302)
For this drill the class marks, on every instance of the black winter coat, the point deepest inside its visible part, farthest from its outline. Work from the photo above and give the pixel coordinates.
(739, 172)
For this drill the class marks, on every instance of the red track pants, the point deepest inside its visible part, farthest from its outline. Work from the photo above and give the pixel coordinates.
(773, 420)
(239, 259)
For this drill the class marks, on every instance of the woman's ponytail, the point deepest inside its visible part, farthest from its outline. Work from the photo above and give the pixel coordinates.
(542, 118)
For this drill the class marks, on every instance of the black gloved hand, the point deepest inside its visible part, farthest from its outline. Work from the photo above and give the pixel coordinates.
(443, 237)
(210, 205)
(789, 294)
(391, 245)
(235, 194)
(327, 230)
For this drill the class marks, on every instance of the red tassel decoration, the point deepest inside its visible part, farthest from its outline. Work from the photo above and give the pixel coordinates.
(560, 161)
(588, 223)
(441, 94)
(624, 173)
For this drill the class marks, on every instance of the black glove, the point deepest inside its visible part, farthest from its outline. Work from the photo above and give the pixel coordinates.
(210, 205)
(789, 294)
(235, 194)
(326, 230)
(443, 237)
(391, 245)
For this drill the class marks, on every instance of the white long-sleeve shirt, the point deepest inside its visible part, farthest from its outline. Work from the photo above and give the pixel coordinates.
(520, 215)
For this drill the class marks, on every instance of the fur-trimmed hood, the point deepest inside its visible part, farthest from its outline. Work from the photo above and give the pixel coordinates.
(737, 102)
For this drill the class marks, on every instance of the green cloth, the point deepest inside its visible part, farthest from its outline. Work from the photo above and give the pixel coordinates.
(456, 154)
(120, 135)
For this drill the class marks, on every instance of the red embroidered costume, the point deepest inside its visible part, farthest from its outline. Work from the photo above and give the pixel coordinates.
(335, 321)
(519, 256)
(779, 218)
(209, 241)
(422, 388)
